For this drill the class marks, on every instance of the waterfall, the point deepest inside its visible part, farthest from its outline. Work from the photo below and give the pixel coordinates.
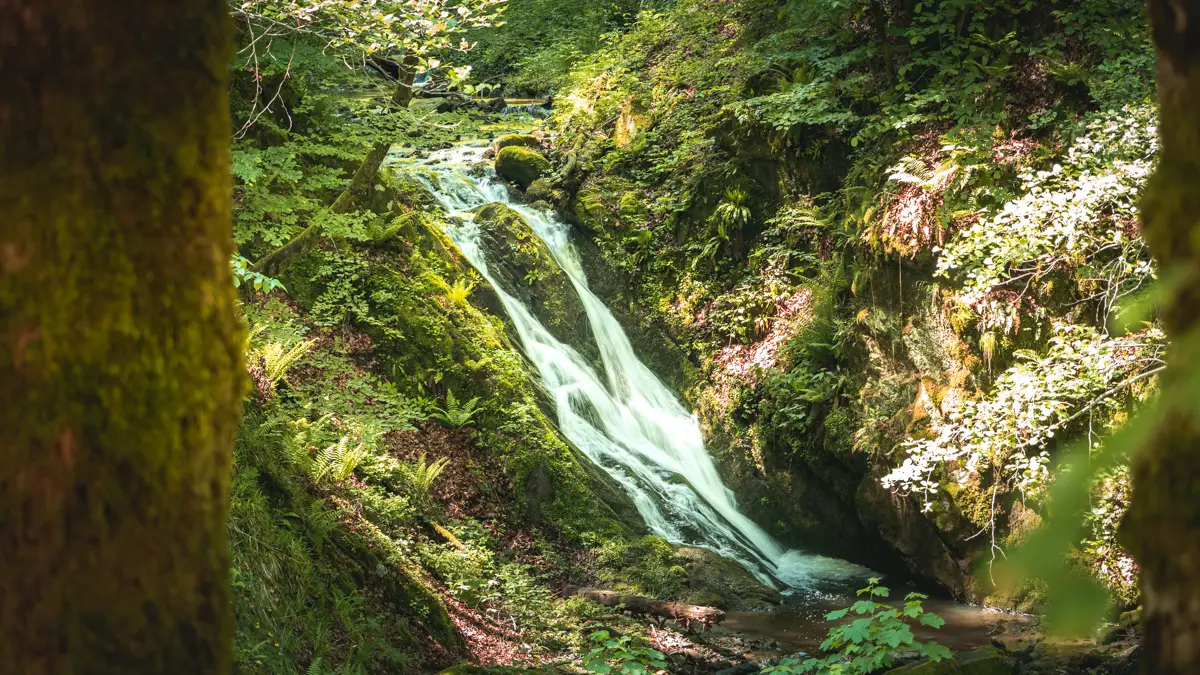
(624, 419)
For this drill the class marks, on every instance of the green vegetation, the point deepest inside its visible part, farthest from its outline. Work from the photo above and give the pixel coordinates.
(923, 268)
(898, 240)
(621, 655)
(872, 641)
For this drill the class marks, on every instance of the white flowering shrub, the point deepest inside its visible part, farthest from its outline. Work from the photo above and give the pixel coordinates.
(1008, 431)
(1082, 213)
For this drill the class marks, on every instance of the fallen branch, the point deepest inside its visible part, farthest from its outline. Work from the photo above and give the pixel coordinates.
(684, 614)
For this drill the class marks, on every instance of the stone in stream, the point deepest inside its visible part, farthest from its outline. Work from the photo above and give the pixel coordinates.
(521, 165)
(985, 661)
(519, 140)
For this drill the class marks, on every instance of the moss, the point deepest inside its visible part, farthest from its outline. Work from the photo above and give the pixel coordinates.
(121, 368)
(632, 207)
(721, 582)
(521, 165)
(542, 191)
(645, 566)
(525, 268)
(517, 140)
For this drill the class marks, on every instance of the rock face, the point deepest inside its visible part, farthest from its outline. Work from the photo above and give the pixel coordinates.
(521, 165)
(986, 661)
(524, 267)
(899, 521)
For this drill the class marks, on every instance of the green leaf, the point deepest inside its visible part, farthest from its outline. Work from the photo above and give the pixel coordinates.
(863, 607)
(935, 652)
(858, 631)
(932, 620)
(836, 615)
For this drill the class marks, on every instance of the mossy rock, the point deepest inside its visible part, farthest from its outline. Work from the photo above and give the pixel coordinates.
(517, 140)
(541, 191)
(525, 268)
(589, 210)
(632, 208)
(520, 165)
(721, 582)
(985, 661)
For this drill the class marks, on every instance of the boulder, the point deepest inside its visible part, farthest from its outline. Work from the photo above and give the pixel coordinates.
(985, 661)
(521, 165)
(721, 582)
(517, 140)
(525, 269)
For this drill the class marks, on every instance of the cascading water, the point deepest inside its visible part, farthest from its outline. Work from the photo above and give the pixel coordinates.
(625, 420)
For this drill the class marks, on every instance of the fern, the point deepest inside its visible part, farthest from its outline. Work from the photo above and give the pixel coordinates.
(337, 461)
(280, 359)
(460, 292)
(732, 213)
(316, 667)
(271, 362)
(421, 477)
(456, 415)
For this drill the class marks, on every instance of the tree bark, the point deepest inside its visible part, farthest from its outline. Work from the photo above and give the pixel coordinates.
(1162, 528)
(361, 184)
(677, 611)
(121, 372)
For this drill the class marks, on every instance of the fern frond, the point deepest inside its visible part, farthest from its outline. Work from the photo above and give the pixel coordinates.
(460, 292)
(421, 477)
(456, 415)
(279, 362)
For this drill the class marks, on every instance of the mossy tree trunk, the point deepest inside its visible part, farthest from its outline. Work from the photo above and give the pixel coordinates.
(1163, 525)
(121, 373)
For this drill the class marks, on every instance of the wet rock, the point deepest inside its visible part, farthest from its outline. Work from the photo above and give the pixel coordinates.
(521, 165)
(985, 661)
(1107, 634)
(747, 668)
(720, 582)
(525, 268)
(900, 522)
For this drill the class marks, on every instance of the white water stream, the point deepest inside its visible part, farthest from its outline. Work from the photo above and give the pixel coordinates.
(625, 419)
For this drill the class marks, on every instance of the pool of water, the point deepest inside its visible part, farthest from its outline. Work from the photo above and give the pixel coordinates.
(799, 624)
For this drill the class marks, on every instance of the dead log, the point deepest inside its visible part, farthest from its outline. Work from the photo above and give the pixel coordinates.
(682, 613)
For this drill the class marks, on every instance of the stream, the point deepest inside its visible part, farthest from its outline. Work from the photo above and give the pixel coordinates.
(634, 427)
(623, 417)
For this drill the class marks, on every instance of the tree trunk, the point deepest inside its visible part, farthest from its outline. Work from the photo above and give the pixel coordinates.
(121, 372)
(361, 184)
(1162, 528)
(676, 611)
